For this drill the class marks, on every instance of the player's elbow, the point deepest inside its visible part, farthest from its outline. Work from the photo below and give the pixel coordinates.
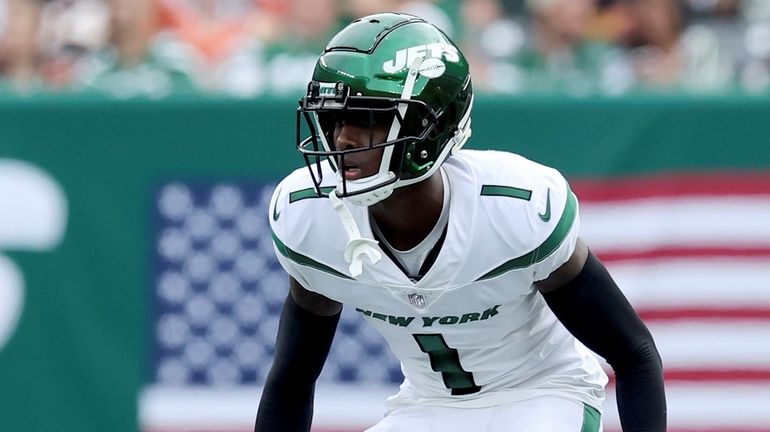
(641, 357)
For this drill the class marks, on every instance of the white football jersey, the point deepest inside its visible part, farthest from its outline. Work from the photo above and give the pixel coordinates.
(473, 331)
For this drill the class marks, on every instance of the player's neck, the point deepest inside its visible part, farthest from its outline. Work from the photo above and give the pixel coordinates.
(409, 215)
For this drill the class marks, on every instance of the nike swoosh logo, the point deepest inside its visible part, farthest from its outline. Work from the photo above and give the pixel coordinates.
(545, 217)
(276, 213)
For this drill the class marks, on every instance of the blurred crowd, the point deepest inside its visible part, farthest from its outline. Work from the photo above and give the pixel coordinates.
(251, 48)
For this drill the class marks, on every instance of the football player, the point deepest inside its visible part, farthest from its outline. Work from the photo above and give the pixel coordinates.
(468, 262)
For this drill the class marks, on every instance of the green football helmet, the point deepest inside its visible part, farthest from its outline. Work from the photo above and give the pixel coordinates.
(391, 69)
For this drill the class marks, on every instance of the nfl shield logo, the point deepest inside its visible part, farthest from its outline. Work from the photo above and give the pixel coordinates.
(416, 299)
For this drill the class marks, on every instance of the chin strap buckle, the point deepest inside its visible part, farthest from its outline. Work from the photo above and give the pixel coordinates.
(357, 247)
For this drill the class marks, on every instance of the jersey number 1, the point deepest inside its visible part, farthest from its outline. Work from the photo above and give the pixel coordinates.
(446, 360)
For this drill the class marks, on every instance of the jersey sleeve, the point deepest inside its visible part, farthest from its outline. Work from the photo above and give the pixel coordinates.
(279, 230)
(560, 215)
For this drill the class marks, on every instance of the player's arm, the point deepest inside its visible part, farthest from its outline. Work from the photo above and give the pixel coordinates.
(587, 301)
(305, 333)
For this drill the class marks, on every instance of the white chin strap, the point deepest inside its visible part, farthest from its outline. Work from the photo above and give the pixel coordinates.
(375, 195)
(358, 247)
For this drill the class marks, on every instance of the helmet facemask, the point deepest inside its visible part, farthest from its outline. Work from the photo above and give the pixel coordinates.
(405, 155)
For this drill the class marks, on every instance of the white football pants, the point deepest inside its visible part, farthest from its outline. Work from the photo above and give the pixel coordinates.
(541, 414)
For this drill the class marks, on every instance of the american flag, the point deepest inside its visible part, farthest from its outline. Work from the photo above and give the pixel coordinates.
(217, 295)
(692, 253)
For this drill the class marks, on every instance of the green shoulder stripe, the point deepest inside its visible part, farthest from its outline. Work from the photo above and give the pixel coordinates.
(547, 247)
(304, 260)
(506, 191)
(308, 193)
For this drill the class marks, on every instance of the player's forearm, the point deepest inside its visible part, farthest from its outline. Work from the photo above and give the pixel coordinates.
(283, 408)
(301, 348)
(640, 394)
(593, 308)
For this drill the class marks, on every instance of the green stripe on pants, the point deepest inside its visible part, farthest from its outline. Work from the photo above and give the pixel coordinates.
(591, 419)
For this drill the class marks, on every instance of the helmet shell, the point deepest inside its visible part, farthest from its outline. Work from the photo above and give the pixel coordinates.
(371, 59)
(373, 55)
